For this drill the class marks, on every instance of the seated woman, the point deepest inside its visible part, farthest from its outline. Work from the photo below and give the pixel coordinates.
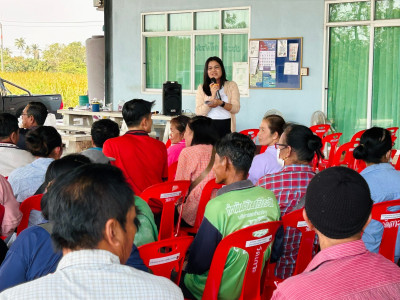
(271, 129)
(296, 149)
(200, 137)
(178, 126)
(383, 180)
(12, 214)
(45, 144)
(31, 255)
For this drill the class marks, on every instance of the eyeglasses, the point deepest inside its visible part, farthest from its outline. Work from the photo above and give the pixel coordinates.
(281, 146)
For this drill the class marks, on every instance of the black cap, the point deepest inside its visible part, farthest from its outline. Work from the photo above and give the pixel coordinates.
(338, 202)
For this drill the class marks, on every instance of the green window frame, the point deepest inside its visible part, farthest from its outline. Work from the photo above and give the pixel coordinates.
(362, 80)
(176, 44)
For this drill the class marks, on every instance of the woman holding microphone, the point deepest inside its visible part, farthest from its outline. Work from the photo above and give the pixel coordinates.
(218, 98)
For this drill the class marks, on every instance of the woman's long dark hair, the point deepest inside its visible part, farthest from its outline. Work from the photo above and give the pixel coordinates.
(207, 80)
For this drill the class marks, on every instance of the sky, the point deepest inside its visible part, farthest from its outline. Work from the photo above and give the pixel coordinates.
(45, 22)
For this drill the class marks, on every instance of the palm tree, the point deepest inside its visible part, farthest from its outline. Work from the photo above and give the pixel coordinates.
(35, 51)
(20, 44)
(27, 51)
(7, 52)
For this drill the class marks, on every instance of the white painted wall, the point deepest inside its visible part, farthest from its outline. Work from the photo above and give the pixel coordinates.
(269, 19)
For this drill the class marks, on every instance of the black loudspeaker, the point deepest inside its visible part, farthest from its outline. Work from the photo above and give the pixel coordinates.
(172, 98)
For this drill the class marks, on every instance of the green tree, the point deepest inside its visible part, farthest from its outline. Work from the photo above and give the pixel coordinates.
(27, 51)
(20, 44)
(35, 51)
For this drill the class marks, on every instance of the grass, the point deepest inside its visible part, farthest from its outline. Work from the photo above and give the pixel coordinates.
(70, 86)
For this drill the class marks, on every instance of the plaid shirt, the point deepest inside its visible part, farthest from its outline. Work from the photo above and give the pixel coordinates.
(289, 186)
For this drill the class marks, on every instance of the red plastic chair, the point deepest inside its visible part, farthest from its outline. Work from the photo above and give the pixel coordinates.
(172, 171)
(333, 140)
(252, 133)
(168, 193)
(393, 131)
(164, 256)
(255, 247)
(206, 194)
(29, 204)
(168, 143)
(390, 221)
(296, 220)
(356, 137)
(320, 129)
(344, 155)
(2, 211)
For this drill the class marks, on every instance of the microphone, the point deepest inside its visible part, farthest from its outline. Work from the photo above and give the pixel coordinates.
(214, 81)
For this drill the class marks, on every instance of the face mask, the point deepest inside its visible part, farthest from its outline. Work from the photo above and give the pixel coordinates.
(281, 162)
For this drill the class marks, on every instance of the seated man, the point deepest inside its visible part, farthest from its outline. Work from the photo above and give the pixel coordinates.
(33, 115)
(11, 156)
(338, 207)
(234, 154)
(142, 159)
(92, 211)
(101, 131)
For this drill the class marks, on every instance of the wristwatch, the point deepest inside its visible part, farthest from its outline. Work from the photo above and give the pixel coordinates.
(223, 103)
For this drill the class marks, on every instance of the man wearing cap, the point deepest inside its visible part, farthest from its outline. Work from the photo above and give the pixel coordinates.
(101, 131)
(338, 207)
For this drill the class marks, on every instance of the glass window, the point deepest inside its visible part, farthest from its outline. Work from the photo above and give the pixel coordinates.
(387, 9)
(207, 20)
(153, 23)
(155, 62)
(235, 19)
(386, 77)
(350, 11)
(205, 47)
(179, 60)
(348, 79)
(179, 22)
(234, 49)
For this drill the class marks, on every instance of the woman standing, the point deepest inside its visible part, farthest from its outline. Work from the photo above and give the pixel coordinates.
(218, 98)
(271, 129)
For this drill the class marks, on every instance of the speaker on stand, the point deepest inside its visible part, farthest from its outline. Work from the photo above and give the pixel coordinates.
(172, 98)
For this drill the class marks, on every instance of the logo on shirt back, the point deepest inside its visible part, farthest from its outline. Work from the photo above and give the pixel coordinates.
(241, 207)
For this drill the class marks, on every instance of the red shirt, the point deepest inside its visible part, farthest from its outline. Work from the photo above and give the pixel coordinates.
(344, 271)
(142, 159)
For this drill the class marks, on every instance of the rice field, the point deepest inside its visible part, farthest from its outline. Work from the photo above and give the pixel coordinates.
(70, 86)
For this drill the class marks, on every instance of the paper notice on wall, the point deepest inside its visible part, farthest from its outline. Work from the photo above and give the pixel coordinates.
(253, 48)
(291, 69)
(269, 79)
(282, 48)
(256, 79)
(253, 65)
(293, 49)
(267, 55)
(240, 76)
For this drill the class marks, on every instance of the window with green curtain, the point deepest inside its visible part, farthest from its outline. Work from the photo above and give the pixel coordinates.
(234, 49)
(179, 60)
(177, 22)
(387, 9)
(207, 20)
(386, 77)
(154, 23)
(155, 62)
(238, 18)
(348, 79)
(205, 46)
(350, 11)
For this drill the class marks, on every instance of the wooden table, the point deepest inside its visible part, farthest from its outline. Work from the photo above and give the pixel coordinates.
(81, 121)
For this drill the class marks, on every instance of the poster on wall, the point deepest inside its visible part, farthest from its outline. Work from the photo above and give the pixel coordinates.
(239, 75)
(277, 65)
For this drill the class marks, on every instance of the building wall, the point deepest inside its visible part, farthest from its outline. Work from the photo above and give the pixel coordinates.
(269, 19)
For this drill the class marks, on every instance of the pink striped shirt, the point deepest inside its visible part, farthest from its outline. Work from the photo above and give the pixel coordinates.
(344, 271)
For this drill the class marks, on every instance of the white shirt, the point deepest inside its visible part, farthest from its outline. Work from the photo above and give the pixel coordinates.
(220, 113)
(95, 274)
(12, 157)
